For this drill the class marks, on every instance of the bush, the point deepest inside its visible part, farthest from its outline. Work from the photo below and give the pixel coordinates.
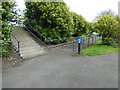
(80, 25)
(107, 27)
(52, 19)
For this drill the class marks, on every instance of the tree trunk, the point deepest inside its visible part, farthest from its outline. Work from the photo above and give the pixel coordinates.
(103, 39)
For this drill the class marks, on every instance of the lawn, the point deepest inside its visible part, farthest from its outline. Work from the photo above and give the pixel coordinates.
(98, 49)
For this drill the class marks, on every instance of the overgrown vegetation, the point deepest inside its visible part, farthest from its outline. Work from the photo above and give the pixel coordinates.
(9, 15)
(107, 27)
(80, 25)
(54, 20)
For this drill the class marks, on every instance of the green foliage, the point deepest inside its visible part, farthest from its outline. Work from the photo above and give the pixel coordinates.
(8, 14)
(52, 19)
(107, 26)
(80, 25)
(91, 28)
(117, 31)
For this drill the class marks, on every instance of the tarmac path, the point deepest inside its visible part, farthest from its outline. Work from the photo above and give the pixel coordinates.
(59, 69)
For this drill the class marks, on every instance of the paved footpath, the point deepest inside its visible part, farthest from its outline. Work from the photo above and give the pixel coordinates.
(59, 69)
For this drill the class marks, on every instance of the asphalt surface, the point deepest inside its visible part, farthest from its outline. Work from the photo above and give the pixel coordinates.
(59, 69)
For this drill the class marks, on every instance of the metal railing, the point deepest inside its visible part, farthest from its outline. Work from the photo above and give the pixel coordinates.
(42, 36)
(49, 45)
(18, 44)
(86, 42)
(38, 39)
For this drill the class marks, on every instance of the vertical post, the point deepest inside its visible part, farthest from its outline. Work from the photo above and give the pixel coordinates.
(18, 48)
(83, 43)
(95, 39)
(79, 48)
(92, 40)
(49, 44)
(41, 38)
(73, 47)
(63, 45)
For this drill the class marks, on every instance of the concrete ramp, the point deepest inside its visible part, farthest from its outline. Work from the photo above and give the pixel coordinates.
(28, 46)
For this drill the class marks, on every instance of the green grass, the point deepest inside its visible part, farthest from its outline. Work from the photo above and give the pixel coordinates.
(99, 49)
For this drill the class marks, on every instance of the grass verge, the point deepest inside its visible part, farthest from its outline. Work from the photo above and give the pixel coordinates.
(99, 49)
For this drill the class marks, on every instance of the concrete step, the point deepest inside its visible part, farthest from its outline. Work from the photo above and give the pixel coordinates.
(31, 47)
(22, 40)
(28, 46)
(32, 54)
(23, 51)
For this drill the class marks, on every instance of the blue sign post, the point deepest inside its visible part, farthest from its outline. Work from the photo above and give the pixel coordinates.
(79, 41)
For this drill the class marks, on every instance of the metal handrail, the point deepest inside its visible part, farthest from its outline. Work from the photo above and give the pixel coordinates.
(38, 32)
(52, 39)
(46, 38)
(15, 37)
(36, 37)
(17, 42)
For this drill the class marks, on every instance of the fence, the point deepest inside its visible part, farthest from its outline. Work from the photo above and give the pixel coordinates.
(86, 42)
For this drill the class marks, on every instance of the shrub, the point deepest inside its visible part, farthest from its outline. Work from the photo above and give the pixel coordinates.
(52, 19)
(107, 27)
(80, 25)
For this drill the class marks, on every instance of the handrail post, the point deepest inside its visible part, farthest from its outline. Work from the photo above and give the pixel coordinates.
(92, 40)
(95, 39)
(49, 45)
(73, 47)
(18, 48)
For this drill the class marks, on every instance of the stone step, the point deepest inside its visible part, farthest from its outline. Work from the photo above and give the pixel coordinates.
(23, 51)
(23, 39)
(32, 54)
(28, 46)
(31, 47)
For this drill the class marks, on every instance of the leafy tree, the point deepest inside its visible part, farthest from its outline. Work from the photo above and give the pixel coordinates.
(80, 25)
(117, 31)
(91, 28)
(106, 27)
(52, 19)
